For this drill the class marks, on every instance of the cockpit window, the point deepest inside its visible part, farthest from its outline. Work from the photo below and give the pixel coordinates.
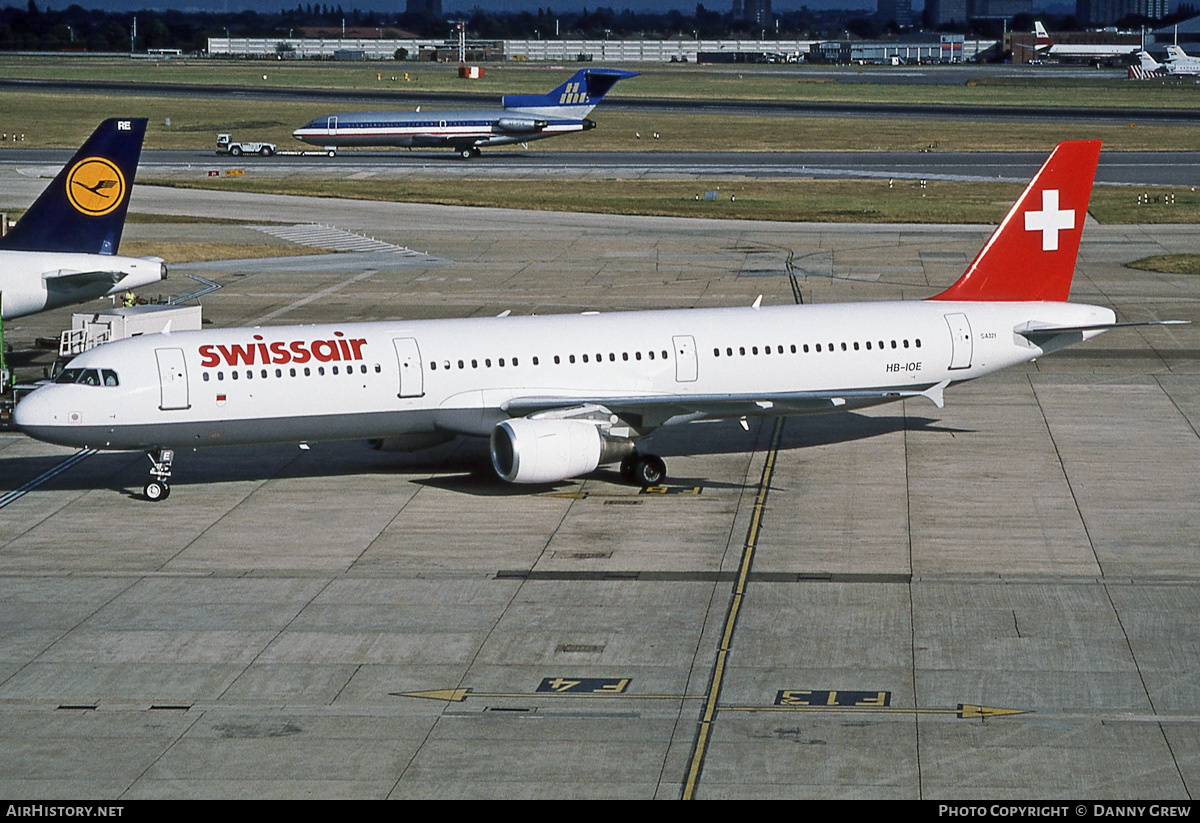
(89, 377)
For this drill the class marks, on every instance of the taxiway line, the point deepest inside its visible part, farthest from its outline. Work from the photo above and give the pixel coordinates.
(17, 494)
(735, 605)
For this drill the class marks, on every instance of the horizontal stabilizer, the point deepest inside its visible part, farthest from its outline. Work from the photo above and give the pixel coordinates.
(1034, 332)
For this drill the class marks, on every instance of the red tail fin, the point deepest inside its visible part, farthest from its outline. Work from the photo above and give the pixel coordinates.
(1031, 256)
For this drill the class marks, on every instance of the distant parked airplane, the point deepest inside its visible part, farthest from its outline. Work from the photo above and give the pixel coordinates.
(64, 249)
(1179, 64)
(1092, 53)
(521, 118)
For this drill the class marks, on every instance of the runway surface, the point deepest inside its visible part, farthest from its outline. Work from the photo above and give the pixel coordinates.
(1116, 168)
(992, 600)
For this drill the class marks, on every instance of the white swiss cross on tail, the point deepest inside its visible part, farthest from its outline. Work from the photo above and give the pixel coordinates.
(1050, 220)
(1014, 264)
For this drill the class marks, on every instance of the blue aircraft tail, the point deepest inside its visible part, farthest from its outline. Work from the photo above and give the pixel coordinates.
(585, 89)
(83, 210)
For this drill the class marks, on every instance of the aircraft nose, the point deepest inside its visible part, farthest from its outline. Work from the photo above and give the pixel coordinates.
(33, 411)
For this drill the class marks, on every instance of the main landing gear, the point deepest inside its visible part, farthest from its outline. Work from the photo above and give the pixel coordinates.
(468, 152)
(643, 469)
(160, 469)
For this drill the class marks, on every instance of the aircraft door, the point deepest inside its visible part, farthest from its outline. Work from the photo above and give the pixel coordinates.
(331, 125)
(960, 341)
(172, 379)
(408, 356)
(685, 358)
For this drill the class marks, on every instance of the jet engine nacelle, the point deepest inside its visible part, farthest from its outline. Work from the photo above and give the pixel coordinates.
(546, 450)
(520, 124)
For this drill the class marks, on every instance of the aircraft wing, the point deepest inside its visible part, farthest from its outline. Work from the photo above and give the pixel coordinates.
(66, 281)
(657, 410)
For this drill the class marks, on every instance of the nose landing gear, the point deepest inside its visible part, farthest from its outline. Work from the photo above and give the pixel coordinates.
(160, 469)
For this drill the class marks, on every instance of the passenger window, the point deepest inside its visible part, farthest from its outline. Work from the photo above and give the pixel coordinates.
(293, 372)
(234, 375)
(205, 376)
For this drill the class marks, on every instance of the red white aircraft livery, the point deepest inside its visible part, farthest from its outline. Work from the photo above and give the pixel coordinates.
(560, 395)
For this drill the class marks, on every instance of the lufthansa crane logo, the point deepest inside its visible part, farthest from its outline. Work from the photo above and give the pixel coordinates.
(95, 186)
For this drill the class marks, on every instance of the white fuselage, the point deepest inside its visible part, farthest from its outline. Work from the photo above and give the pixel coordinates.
(33, 281)
(384, 379)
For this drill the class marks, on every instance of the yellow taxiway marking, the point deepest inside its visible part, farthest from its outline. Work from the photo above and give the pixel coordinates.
(735, 605)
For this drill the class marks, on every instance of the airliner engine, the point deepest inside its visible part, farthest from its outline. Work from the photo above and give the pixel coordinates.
(526, 450)
(520, 124)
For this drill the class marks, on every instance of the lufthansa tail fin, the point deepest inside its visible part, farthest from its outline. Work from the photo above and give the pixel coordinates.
(83, 210)
(574, 98)
(1031, 256)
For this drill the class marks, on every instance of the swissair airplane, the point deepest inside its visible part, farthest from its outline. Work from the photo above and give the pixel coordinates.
(519, 119)
(64, 249)
(559, 395)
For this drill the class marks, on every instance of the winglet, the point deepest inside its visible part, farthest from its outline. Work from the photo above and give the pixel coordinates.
(1031, 256)
(83, 210)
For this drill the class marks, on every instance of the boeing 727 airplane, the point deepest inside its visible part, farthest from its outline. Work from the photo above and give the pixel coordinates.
(520, 118)
(560, 395)
(64, 249)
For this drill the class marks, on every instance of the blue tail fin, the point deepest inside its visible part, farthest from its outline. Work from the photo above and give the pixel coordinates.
(574, 98)
(83, 210)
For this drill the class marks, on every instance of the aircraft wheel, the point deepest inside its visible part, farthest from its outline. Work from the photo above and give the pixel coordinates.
(236, 151)
(466, 154)
(156, 491)
(649, 470)
(265, 151)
